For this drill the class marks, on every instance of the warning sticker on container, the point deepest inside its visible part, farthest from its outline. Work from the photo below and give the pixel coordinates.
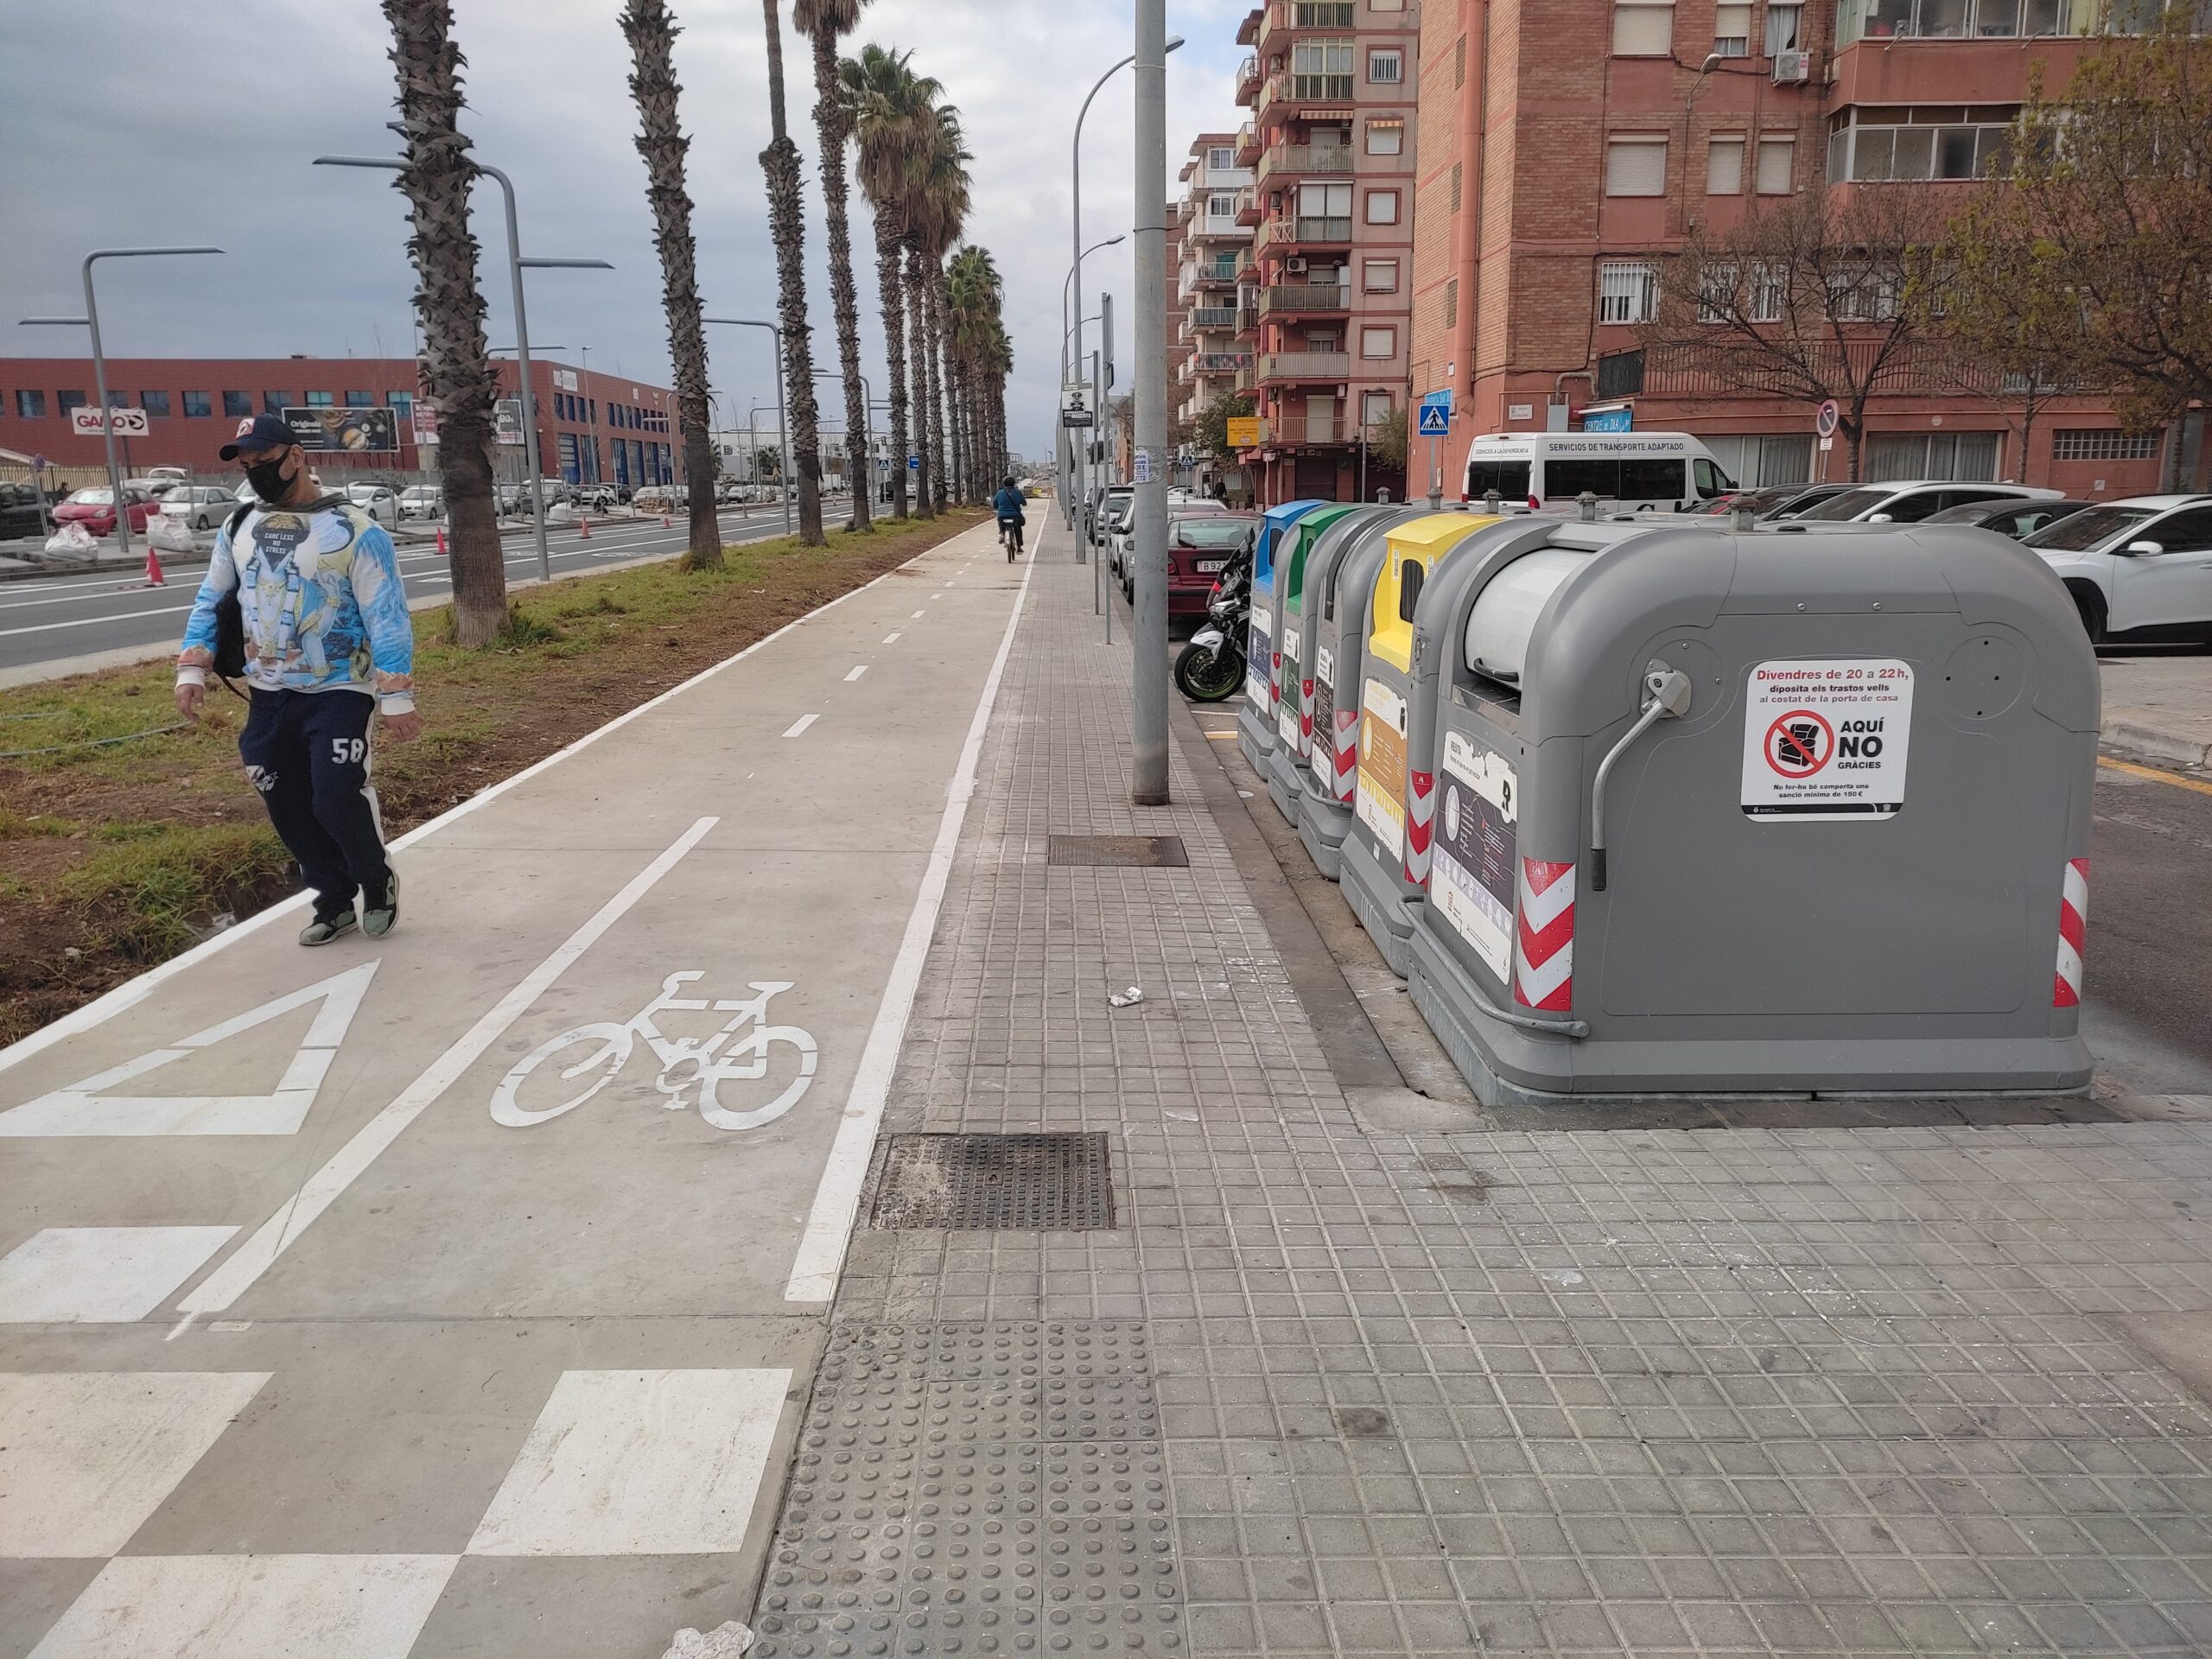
(1826, 739)
(1475, 852)
(1382, 789)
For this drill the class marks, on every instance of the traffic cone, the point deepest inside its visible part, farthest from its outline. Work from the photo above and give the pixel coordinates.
(441, 541)
(665, 523)
(584, 529)
(154, 577)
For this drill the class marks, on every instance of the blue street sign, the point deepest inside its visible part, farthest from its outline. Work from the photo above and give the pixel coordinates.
(1435, 420)
(1610, 420)
(914, 463)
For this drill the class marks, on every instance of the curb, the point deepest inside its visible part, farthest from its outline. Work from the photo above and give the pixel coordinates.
(111, 567)
(2128, 741)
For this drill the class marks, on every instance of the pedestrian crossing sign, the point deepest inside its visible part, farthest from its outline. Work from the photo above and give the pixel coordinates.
(1435, 420)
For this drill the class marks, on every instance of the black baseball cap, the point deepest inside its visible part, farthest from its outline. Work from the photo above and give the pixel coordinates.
(260, 432)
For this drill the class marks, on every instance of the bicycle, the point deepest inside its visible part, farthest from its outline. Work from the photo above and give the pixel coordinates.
(1010, 538)
(707, 1061)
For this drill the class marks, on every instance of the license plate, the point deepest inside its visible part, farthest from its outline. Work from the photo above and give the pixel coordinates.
(1212, 566)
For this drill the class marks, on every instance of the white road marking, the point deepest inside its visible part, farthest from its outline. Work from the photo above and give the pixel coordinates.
(321, 1189)
(87, 1456)
(836, 1198)
(919, 615)
(639, 1463)
(890, 639)
(90, 622)
(799, 727)
(936, 595)
(100, 1275)
(858, 668)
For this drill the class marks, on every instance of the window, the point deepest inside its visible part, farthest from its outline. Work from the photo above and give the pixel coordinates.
(1770, 290)
(1378, 342)
(1322, 14)
(1784, 27)
(1321, 69)
(1716, 292)
(1386, 67)
(1386, 137)
(2185, 532)
(1777, 166)
(1731, 30)
(31, 405)
(402, 401)
(318, 400)
(1451, 303)
(1871, 145)
(1382, 206)
(1636, 166)
(275, 403)
(1627, 290)
(65, 401)
(1880, 20)
(156, 403)
(1757, 460)
(1724, 167)
(1221, 159)
(198, 406)
(1379, 277)
(115, 400)
(1857, 295)
(360, 400)
(1459, 63)
(2087, 443)
(1374, 408)
(1891, 456)
(237, 404)
(1643, 28)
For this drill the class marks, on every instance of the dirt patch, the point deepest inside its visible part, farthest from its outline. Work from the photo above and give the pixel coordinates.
(118, 856)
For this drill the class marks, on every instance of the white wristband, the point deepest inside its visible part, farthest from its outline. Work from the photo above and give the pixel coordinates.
(396, 703)
(191, 676)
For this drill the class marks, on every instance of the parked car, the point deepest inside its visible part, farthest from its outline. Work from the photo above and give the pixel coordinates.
(1770, 500)
(2017, 519)
(2139, 568)
(157, 482)
(593, 498)
(1199, 547)
(19, 512)
(1120, 530)
(655, 497)
(197, 506)
(1912, 501)
(95, 510)
(422, 501)
(379, 501)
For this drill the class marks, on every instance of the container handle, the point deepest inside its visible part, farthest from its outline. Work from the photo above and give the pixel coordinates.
(1666, 691)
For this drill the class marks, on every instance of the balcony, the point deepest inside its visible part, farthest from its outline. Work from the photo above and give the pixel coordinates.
(1289, 232)
(1247, 320)
(1296, 426)
(1304, 299)
(1248, 206)
(1286, 19)
(1305, 161)
(1248, 144)
(1214, 273)
(1219, 362)
(1213, 316)
(1310, 92)
(1248, 79)
(1247, 379)
(1304, 367)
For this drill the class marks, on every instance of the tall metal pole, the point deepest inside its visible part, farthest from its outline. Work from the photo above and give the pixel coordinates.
(522, 373)
(107, 416)
(783, 408)
(1148, 782)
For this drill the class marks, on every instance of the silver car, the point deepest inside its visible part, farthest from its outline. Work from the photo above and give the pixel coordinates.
(197, 506)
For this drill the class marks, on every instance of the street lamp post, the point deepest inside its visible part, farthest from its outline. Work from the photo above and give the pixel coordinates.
(91, 320)
(866, 477)
(516, 265)
(1067, 330)
(1149, 658)
(783, 406)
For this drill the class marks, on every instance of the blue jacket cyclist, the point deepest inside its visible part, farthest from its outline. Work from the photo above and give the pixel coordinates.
(328, 645)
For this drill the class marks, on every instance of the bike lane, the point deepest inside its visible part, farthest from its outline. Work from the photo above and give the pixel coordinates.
(294, 1330)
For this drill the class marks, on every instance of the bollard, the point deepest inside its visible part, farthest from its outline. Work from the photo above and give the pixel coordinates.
(1585, 508)
(1741, 515)
(1490, 502)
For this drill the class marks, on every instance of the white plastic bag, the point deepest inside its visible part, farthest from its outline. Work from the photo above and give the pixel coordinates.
(169, 535)
(560, 513)
(74, 539)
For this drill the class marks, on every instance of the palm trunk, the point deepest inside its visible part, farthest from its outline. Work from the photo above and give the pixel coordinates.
(830, 121)
(651, 33)
(894, 348)
(933, 314)
(918, 352)
(779, 162)
(458, 381)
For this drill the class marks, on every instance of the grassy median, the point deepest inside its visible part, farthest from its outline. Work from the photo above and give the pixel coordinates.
(125, 836)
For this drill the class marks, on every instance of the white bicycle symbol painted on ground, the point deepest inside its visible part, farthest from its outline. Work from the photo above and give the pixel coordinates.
(707, 1061)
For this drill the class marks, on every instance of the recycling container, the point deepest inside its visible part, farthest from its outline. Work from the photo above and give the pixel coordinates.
(1394, 793)
(1339, 586)
(1294, 703)
(1255, 717)
(1798, 810)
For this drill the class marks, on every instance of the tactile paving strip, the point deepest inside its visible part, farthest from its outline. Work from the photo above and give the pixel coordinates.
(1126, 852)
(1026, 1183)
(976, 1490)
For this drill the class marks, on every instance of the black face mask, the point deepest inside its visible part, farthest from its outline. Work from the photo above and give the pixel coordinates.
(268, 479)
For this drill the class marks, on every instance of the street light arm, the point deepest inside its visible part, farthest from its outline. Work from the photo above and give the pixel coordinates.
(536, 263)
(51, 322)
(138, 253)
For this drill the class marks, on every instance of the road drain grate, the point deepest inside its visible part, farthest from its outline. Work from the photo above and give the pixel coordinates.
(1027, 1183)
(1130, 852)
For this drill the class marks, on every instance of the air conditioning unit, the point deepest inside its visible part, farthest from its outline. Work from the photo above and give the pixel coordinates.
(1294, 265)
(1793, 67)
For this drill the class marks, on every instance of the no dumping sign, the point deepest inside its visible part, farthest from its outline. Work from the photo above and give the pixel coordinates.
(1827, 739)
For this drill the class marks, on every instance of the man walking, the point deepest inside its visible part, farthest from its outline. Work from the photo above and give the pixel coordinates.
(328, 642)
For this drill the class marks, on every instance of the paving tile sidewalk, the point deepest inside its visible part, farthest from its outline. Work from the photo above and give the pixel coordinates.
(1322, 1391)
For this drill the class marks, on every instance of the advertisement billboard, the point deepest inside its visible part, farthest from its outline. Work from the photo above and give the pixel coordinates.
(355, 431)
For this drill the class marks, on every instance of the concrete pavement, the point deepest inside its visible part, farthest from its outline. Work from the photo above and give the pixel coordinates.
(2158, 705)
(324, 1307)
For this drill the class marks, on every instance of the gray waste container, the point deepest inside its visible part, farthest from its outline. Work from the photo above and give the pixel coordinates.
(1339, 586)
(1796, 810)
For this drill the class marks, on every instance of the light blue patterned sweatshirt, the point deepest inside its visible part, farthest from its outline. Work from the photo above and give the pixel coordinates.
(320, 592)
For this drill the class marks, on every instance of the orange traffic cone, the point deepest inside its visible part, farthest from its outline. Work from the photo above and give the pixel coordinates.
(441, 541)
(584, 529)
(665, 523)
(154, 577)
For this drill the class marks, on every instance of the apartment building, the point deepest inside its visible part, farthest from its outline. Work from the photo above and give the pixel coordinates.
(1204, 355)
(1568, 146)
(1325, 307)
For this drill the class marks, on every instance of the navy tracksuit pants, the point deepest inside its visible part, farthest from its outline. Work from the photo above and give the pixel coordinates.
(307, 753)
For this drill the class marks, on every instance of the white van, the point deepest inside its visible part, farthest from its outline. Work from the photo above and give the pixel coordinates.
(1665, 472)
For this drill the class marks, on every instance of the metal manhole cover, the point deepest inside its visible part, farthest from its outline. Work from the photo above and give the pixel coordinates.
(1028, 1183)
(1132, 852)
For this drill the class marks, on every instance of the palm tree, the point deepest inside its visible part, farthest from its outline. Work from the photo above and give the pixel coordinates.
(458, 380)
(885, 100)
(781, 163)
(651, 33)
(937, 207)
(824, 23)
(974, 292)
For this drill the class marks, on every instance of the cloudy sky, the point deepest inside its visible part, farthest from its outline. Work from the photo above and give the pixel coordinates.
(147, 121)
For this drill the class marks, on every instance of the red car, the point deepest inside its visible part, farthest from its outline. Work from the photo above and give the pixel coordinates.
(1199, 546)
(95, 510)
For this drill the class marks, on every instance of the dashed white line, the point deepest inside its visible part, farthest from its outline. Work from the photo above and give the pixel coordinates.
(919, 615)
(800, 725)
(858, 668)
(890, 639)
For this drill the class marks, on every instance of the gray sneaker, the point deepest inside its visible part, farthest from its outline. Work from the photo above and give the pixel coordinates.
(376, 920)
(324, 929)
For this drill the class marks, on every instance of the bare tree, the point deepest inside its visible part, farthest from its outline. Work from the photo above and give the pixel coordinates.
(1822, 297)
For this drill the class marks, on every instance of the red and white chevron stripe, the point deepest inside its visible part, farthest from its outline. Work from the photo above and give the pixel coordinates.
(1543, 948)
(1347, 754)
(1420, 825)
(1275, 679)
(2073, 934)
(1306, 715)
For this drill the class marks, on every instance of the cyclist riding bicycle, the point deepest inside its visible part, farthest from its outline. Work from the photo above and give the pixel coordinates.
(1008, 504)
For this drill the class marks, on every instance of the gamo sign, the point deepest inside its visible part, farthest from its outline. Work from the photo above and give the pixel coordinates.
(87, 422)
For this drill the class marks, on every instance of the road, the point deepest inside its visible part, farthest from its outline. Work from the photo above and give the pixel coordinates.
(57, 619)
(2148, 1008)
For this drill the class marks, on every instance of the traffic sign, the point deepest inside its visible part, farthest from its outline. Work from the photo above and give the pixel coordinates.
(86, 421)
(1435, 414)
(914, 463)
(1828, 419)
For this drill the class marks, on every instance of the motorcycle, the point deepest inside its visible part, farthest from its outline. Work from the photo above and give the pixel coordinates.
(1211, 667)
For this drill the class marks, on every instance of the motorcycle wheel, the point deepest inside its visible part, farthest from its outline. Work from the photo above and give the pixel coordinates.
(1205, 675)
